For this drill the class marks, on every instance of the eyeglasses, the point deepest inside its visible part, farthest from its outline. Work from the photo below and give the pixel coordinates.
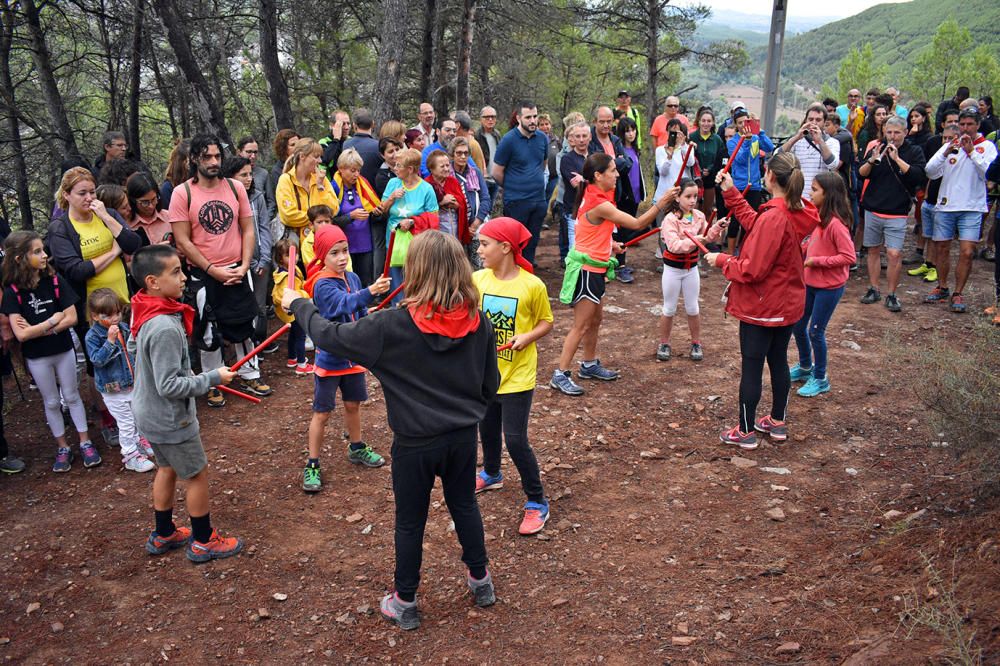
(461, 153)
(493, 117)
(146, 203)
(673, 106)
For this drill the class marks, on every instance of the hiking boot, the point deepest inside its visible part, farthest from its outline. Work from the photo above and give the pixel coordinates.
(624, 275)
(776, 430)
(110, 435)
(217, 548)
(402, 613)
(937, 295)
(536, 514)
(697, 353)
(596, 371)
(304, 370)
(215, 398)
(919, 270)
(91, 458)
(256, 387)
(157, 545)
(957, 304)
(312, 480)
(365, 456)
(892, 303)
(137, 462)
(932, 275)
(663, 352)
(871, 296)
(562, 382)
(486, 482)
(800, 374)
(814, 387)
(745, 440)
(10, 465)
(64, 459)
(482, 589)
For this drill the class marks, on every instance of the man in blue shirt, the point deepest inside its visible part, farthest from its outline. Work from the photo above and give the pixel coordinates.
(445, 135)
(519, 167)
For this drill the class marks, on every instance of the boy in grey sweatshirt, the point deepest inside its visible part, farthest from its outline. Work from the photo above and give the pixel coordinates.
(163, 401)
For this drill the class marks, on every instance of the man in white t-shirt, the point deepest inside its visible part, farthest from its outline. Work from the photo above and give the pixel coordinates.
(814, 149)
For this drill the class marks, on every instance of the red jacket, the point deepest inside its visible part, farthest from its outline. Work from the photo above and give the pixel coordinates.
(768, 288)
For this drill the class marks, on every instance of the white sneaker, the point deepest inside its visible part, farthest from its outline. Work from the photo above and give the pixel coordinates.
(309, 344)
(139, 463)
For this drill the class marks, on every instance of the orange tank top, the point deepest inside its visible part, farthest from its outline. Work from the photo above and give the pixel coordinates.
(594, 240)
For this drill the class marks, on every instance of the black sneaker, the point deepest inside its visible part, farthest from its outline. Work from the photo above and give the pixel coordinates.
(871, 296)
(271, 348)
(892, 303)
(482, 590)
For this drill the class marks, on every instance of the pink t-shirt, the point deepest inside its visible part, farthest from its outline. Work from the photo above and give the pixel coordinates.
(659, 128)
(214, 215)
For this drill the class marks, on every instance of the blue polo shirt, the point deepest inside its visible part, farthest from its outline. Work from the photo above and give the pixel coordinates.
(523, 159)
(423, 157)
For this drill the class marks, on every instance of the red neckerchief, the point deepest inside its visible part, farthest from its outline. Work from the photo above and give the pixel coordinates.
(315, 276)
(145, 307)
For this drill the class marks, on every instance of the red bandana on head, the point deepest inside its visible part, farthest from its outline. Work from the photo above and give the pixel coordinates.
(325, 238)
(509, 230)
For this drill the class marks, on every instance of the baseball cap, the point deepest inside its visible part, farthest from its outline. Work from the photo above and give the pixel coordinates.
(737, 104)
(623, 93)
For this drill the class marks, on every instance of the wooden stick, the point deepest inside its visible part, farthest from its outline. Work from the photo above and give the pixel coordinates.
(643, 236)
(746, 189)
(732, 158)
(695, 241)
(121, 339)
(684, 163)
(246, 396)
(290, 282)
(388, 253)
(388, 298)
(259, 348)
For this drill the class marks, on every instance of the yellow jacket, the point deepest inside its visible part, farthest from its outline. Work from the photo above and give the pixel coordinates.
(280, 278)
(293, 200)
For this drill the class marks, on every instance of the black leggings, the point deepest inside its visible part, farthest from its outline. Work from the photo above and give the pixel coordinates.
(996, 264)
(508, 415)
(759, 344)
(452, 457)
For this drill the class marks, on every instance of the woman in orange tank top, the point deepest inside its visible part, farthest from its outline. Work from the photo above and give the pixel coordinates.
(596, 219)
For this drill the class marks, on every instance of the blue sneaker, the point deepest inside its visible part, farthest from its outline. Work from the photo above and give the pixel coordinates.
(800, 374)
(596, 371)
(535, 516)
(486, 482)
(814, 387)
(562, 382)
(64, 459)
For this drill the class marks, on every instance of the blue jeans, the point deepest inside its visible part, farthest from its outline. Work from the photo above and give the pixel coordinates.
(396, 278)
(567, 233)
(530, 213)
(820, 304)
(297, 343)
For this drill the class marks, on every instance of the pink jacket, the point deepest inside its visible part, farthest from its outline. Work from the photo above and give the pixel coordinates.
(832, 252)
(680, 248)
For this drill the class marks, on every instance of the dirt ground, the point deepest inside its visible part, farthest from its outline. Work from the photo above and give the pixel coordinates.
(660, 548)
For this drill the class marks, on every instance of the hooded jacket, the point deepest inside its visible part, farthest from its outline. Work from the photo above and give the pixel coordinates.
(623, 193)
(768, 285)
(434, 384)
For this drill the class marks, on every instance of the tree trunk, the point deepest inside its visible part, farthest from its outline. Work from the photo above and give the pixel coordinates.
(134, 74)
(13, 125)
(652, 60)
(161, 85)
(47, 81)
(440, 92)
(209, 113)
(465, 54)
(390, 57)
(277, 89)
(427, 59)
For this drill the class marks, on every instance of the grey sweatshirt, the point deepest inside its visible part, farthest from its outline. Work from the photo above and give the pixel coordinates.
(165, 388)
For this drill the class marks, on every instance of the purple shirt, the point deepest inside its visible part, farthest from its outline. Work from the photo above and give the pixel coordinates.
(633, 173)
(358, 232)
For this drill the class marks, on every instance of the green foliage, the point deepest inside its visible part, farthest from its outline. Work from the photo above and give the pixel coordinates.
(938, 67)
(859, 70)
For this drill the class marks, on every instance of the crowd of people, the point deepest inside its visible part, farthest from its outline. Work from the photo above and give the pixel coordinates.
(140, 283)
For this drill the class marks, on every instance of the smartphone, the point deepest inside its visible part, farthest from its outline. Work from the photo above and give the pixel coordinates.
(753, 124)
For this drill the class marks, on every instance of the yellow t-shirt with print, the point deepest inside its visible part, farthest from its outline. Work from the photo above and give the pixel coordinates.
(95, 240)
(514, 307)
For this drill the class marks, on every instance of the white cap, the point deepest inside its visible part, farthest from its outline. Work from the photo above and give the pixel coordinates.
(737, 104)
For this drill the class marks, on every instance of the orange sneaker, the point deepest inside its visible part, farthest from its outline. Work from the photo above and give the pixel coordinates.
(996, 320)
(157, 545)
(536, 514)
(217, 548)
(991, 311)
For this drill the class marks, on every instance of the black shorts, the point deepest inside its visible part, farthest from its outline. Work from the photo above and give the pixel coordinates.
(352, 389)
(589, 285)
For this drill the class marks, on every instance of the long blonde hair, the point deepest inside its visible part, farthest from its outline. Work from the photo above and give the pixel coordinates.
(438, 274)
(71, 179)
(303, 147)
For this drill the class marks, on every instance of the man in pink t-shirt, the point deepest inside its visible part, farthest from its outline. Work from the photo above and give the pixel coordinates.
(671, 110)
(213, 227)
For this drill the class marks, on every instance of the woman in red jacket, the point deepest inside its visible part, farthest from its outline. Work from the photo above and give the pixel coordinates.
(767, 291)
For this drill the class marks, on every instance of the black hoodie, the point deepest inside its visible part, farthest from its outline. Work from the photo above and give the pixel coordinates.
(433, 384)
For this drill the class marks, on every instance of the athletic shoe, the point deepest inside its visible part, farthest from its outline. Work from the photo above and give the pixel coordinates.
(597, 371)
(697, 353)
(624, 275)
(991, 311)
(957, 303)
(137, 462)
(931, 275)
(256, 387)
(989, 254)
(10, 465)
(486, 482)
(775, 430)
(215, 398)
(157, 545)
(919, 270)
(270, 349)
(871, 296)
(915, 258)
(892, 303)
(482, 589)
(312, 480)
(402, 613)
(304, 370)
(800, 374)
(561, 381)
(291, 363)
(110, 436)
(937, 295)
(745, 440)
(536, 514)
(814, 387)
(217, 548)
(663, 352)
(91, 458)
(365, 456)
(146, 448)
(309, 344)
(64, 459)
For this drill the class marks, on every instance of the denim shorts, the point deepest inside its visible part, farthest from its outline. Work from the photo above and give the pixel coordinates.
(888, 231)
(927, 220)
(967, 223)
(352, 389)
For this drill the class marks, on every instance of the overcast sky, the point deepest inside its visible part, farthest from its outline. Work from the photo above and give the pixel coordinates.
(796, 8)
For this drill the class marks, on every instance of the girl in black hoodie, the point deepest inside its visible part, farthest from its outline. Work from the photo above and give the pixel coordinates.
(435, 357)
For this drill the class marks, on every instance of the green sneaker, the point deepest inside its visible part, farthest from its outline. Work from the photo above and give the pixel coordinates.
(312, 481)
(365, 456)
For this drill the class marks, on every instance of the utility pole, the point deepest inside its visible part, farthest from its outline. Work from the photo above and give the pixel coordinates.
(772, 73)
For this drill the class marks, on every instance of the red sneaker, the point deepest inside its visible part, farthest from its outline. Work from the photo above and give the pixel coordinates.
(535, 516)
(776, 430)
(745, 440)
(291, 363)
(218, 547)
(157, 545)
(303, 370)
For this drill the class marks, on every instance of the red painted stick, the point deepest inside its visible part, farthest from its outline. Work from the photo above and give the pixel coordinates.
(388, 298)
(388, 253)
(729, 164)
(256, 350)
(290, 282)
(696, 241)
(745, 190)
(642, 237)
(711, 218)
(246, 396)
(684, 163)
(505, 347)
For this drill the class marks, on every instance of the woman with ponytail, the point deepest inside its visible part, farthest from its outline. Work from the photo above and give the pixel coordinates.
(767, 291)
